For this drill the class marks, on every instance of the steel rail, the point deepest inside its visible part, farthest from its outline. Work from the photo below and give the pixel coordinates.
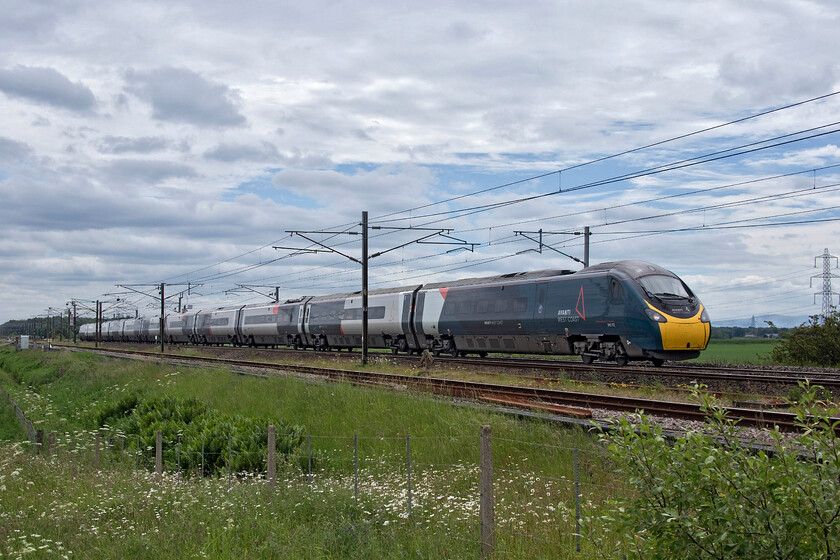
(830, 380)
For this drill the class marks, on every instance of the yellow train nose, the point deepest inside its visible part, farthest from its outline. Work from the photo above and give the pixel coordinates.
(684, 334)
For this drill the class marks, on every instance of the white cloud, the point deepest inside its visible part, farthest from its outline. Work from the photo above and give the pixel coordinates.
(145, 140)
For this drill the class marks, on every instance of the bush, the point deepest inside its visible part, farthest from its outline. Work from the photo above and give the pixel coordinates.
(707, 495)
(816, 343)
(204, 433)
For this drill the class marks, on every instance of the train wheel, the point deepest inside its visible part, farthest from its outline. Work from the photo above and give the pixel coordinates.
(587, 359)
(394, 350)
(621, 361)
(657, 361)
(482, 354)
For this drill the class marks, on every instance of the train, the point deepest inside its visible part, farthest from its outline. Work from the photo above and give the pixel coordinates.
(618, 311)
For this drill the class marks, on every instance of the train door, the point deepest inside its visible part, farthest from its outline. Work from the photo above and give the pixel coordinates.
(419, 333)
(405, 319)
(408, 313)
(238, 337)
(616, 309)
(303, 323)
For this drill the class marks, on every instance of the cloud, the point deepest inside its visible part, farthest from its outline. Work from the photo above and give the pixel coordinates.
(12, 151)
(181, 95)
(121, 144)
(46, 86)
(132, 171)
(243, 152)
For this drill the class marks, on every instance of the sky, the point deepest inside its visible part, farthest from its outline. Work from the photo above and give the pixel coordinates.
(180, 142)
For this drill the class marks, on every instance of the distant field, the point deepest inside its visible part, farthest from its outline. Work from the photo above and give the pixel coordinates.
(738, 351)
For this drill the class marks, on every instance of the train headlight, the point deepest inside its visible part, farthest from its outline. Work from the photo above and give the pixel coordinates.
(705, 316)
(654, 315)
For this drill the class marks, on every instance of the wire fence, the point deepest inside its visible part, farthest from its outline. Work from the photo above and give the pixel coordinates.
(509, 495)
(27, 424)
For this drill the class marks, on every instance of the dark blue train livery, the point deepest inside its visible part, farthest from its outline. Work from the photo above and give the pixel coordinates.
(616, 311)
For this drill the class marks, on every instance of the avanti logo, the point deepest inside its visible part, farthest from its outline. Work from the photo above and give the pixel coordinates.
(579, 306)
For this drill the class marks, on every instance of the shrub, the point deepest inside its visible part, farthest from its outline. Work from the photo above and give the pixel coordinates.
(707, 495)
(204, 434)
(815, 343)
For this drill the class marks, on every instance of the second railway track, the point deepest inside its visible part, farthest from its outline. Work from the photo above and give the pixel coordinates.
(716, 376)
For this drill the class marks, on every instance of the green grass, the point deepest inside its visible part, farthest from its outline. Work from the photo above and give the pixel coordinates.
(113, 509)
(737, 351)
(10, 427)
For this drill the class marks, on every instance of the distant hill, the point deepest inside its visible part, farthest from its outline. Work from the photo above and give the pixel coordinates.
(781, 321)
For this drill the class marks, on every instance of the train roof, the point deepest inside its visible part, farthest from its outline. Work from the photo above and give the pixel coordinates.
(501, 278)
(634, 269)
(380, 291)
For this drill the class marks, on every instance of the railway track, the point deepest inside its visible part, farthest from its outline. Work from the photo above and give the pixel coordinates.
(574, 403)
(678, 373)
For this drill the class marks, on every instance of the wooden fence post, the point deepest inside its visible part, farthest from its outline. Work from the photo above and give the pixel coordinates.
(159, 453)
(49, 445)
(486, 506)
(272, 459)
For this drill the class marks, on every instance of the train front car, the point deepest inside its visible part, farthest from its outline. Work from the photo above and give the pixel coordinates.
(662, 318)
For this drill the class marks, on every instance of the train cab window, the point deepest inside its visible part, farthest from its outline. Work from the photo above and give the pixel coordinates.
(520, 304)
(482, 306)
(501, 306)
(465, 308)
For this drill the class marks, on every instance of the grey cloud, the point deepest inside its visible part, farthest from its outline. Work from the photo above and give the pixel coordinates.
(30, 22)
(181, 95)
(122, 144)
(147, 171)
(46, 86)
(12, 151)
(462, 31)
(236, 152)
(785, 73)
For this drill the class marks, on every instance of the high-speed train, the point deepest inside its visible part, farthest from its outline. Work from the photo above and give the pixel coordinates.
(616, 311)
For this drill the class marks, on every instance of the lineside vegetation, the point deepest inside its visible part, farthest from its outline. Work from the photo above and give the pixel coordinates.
(112, 509)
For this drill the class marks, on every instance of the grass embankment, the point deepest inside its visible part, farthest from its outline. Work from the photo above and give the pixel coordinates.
(68, 506)
(754, 351)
